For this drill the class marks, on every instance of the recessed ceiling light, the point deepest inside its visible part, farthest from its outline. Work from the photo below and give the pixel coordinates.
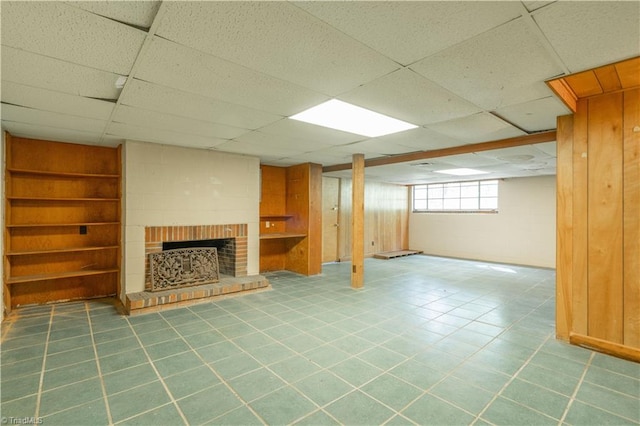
(461, 172)
(340, 115)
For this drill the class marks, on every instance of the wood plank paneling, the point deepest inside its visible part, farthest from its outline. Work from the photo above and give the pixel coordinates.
(314, 228)
(584, 84)
(273, 190)
(330, 218)
(580, 290)
(564, 226)
(601, 221)
(608, 78)
(386, 218)
(605, 218)
(357, 222)
(632, 218)
(298, 206)
(629, 73)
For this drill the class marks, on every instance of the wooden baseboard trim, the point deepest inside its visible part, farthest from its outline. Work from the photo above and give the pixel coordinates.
(611, 348)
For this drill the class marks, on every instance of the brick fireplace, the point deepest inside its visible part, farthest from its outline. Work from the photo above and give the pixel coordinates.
(231, 241)
(232, 253)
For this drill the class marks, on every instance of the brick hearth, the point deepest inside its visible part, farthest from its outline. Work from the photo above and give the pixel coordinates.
(147, 300)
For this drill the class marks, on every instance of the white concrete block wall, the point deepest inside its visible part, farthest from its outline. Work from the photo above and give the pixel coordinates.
(168, 186)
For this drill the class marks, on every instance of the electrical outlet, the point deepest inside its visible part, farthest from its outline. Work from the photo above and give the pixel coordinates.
(268, 224)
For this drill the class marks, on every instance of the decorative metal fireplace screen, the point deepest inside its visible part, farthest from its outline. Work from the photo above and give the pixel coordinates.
(183, 268)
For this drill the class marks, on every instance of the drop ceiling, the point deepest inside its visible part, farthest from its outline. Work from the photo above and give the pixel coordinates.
(226, 75)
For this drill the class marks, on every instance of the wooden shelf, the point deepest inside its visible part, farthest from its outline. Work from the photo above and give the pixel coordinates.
(61, 199)
(66, 250)
(35, 225)
(276, 217)
(59, 275)
(63, 174)
(63, 228)
(281, 235)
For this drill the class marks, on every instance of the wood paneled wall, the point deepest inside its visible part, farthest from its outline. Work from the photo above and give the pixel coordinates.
(598, 252)
(386, 218)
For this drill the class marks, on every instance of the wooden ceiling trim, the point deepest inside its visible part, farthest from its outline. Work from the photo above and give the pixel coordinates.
(564, 92)
(629, 73)
(584, 84)
(608, 78)
(549, 136)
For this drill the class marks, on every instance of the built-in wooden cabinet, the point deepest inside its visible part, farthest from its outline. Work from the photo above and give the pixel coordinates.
(62, 221)
(291, 219)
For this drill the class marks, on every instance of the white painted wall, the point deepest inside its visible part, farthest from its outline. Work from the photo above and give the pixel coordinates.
(168, 186)
(523, 232)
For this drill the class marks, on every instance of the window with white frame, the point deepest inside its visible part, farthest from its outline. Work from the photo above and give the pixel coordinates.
(471, 196)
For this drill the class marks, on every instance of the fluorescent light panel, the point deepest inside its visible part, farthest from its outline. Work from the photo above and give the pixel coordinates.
(461, 172)
(340, 115)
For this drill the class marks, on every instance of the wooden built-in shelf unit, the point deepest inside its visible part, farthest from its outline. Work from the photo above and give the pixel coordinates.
(291, 219)
(62, 224)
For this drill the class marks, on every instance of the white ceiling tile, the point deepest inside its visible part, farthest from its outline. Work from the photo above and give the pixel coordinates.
(532, 5)
(161, 121)
(501, 67)
(60, 31)
(470, 160)
(278, 39)
(171, 101)
(408, 96)
(520, 155)
(51, 119)
(172, 65)
(242, 147)
(535, 115)
(326, 157)
(398, 172)
(372, 147)
(426, 27)
(476, 128)
(49, 100)
(281, 142)
(146, 134)
(35, 70)
(421, 139)
(294, 129)
(29, 130)
(591, 34)
(138, 13)
(548, 148)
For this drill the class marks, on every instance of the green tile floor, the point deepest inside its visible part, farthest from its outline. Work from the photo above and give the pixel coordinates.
(427, 341)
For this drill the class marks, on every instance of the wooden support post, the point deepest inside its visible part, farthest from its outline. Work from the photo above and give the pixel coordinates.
(357, 222)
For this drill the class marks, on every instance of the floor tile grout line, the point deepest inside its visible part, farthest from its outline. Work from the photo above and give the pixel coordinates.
(44, 363)
(222, 380)
(572, 398)
(513, 377)
(161, 379)
(97, 360)
(287, 383)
